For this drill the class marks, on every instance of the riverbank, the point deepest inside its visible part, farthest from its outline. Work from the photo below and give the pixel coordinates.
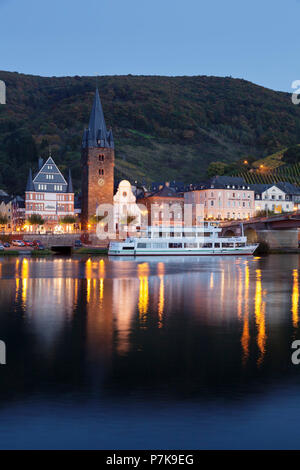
(32, 252)
(104, 251)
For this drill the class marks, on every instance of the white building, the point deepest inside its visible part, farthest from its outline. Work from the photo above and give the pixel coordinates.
(49, 194)
(270, 197)
(125, 205)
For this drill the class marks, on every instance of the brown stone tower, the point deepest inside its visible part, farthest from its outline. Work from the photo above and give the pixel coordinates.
(97, 160)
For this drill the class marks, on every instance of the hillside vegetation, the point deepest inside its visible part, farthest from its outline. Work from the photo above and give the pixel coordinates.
(165, 128)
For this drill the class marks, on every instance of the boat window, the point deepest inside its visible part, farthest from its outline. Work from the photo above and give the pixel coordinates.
(142, 245)
(207, 245)
(159, 245)
(190, 245)
(175, 245)
(217, 245)
(128, 247)
(240, 244)
(227, 245)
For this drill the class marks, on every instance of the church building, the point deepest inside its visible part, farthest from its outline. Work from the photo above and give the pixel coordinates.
(97, 159)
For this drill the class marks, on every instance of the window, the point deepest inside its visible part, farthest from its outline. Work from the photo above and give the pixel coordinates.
(101, 158)
(211, 203)
(159, 245)
(142, 245)
(190, 245)
(175, 245)
(217, 245)
(101, 171)
(207, 245)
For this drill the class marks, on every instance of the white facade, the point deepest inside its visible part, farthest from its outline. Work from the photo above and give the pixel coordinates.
(273, 199)
(125, 205)
(51, 206)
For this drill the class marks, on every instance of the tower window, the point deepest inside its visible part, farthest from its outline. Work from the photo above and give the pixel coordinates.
(101, 171)
(101, 158)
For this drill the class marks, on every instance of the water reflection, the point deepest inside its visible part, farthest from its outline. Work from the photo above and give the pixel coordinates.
(295, 298)
(213, 313)
(143, 273)
(260, 306)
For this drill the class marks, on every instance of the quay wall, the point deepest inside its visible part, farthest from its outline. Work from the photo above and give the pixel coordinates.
(279, 239)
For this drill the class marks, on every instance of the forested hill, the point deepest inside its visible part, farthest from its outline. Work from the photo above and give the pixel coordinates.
(165, 128)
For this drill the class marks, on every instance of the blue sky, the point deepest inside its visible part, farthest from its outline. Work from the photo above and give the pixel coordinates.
(255, 40)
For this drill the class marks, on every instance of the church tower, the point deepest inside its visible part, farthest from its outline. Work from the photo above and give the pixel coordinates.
(97, 159)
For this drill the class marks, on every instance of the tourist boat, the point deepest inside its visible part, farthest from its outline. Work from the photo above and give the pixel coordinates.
(200, 240)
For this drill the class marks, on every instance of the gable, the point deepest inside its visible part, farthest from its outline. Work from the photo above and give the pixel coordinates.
(49, 178)
(273, 190)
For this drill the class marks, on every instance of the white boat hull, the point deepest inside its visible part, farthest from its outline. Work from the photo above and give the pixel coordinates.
(247, 250)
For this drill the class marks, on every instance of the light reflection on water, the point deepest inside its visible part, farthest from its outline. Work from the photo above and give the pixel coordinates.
(202, 333)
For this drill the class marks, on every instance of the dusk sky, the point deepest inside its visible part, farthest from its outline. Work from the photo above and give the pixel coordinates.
(257, 40)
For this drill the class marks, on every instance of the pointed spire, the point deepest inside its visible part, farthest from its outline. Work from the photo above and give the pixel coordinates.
(70, 184)
(29, 185)
(97, 135)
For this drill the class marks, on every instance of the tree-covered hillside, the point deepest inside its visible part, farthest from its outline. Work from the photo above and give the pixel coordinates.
(165, 128)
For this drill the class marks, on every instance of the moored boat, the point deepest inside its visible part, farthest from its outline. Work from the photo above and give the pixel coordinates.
(170, 241)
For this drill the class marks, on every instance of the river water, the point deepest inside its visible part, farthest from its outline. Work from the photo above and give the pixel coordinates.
(154, 353)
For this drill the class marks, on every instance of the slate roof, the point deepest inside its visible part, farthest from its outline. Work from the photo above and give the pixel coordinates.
(178, 186)
(70, 183)
(97, 134)
(29, 185)
(166, 191)
(50, 176)
(222, 182)
(286, 187)
(260, 188)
